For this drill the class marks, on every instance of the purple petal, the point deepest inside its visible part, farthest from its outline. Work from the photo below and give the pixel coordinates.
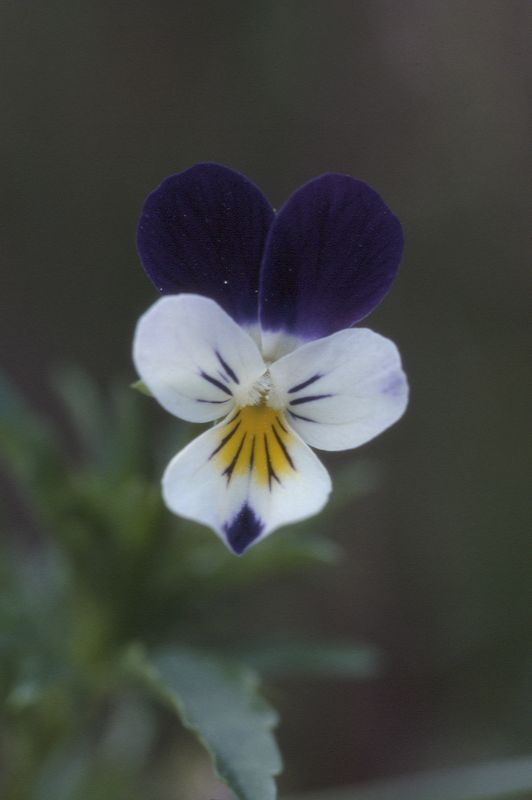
(203, 231)
(330, 257)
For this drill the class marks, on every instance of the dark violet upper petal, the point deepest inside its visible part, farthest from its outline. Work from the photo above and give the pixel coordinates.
(330, 257)
(203, 231)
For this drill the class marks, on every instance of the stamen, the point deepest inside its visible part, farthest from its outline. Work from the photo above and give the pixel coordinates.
(260, 391)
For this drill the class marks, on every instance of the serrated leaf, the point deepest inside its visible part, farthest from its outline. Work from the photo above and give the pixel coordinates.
(219, 701)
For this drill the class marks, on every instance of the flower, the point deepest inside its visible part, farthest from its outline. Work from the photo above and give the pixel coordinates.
(255, 331)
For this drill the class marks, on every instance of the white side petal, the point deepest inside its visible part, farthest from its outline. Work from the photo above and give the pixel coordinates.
(194, 358)
(342, 390)
(276, 344)
(245, 477)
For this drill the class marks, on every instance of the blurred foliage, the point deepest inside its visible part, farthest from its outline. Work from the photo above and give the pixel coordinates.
(496, 780)
(122, 626)
(429, 103)
(116, 617)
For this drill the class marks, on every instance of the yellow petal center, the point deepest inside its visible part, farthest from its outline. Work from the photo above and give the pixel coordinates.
(256, 442)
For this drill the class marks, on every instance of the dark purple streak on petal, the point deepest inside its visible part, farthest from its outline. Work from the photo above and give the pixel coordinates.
(306, 383)
(203, 231)
(216, 382)
(227, 368)
(330, 257)
(308, 399)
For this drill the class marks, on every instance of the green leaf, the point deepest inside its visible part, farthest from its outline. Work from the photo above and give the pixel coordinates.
(314, 659)
(84, 405)
(492, 780)
(110, 426)
(75, 770)
(218, 700)
(352, 479)
(28, 445)
(141, 387)
(286, 552)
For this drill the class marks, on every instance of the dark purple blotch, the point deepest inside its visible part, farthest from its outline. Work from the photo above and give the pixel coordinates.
(243, 529)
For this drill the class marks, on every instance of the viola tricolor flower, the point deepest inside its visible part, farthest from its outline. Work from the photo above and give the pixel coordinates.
(255, 331)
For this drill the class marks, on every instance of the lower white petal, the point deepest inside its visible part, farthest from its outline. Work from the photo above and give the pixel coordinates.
(341, 391)
(246, 477)
(194, 358)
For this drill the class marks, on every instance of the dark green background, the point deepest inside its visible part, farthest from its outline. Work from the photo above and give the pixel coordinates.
(431, 104)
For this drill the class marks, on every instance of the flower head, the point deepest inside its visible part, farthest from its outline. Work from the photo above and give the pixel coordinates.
(255, 331)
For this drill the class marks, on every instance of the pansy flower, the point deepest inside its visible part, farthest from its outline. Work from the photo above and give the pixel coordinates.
(254, 333)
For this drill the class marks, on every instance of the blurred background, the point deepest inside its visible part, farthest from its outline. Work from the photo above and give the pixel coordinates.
(430, 103)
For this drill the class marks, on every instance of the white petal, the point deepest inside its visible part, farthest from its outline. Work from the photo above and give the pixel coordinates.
(342, 390)
(194, 358)
(276, 344)
(245, 477)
